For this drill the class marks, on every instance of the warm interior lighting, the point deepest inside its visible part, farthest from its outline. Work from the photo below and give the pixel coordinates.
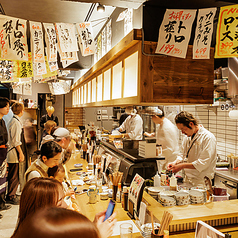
(100, 8)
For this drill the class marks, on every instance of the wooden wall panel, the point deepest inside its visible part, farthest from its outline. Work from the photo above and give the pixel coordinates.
(176, 80)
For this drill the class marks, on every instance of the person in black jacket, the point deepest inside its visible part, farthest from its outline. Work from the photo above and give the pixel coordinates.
(49, 116)
(4, 109)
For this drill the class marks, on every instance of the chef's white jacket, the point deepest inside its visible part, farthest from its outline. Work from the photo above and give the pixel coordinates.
(167, 136)
(202, 155)
(133, 125)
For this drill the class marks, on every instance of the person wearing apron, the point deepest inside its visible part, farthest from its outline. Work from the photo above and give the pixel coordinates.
(4, 109)
(16, 155)
(198, 151)
(166, 135)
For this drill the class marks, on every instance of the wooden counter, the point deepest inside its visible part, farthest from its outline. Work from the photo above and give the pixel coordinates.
(220, 213)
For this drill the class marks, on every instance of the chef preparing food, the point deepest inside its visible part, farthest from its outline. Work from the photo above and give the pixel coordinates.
(133, 125)
(198, 151)
(166, 134)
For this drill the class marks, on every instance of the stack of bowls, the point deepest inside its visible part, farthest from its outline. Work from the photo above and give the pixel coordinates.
(182, 198)
(154, 191)
(167, 201)
(196, 196)
(168, 193)
(203, 190)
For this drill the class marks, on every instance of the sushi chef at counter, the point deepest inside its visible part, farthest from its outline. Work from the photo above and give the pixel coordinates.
(133, 125)
(198, 151)
(166, 135)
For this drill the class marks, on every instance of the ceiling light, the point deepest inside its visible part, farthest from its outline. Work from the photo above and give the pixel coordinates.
(233, 114)
(100, 8)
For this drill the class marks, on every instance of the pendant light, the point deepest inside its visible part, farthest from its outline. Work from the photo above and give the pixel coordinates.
(100, 8)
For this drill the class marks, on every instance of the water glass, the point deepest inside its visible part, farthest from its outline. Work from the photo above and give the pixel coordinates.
(126, 230)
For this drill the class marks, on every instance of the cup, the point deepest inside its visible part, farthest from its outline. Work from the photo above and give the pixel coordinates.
(114, 192)
(104, 196)
(156, 235)
(92, 194)
(126, 230)
(90, 166)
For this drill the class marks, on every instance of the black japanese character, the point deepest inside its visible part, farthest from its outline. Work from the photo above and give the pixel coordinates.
(180, 26)
(179, 38)
(226, 35)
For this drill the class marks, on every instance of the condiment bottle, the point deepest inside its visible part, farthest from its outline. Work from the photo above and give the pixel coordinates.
(173, 183)
(125, 198)
(166, 234)
(157, 182)
(163, 179)
(118, 196)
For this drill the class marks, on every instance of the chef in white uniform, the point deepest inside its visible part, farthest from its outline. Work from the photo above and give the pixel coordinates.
(166, 135)
(198, 151)
(133, 125)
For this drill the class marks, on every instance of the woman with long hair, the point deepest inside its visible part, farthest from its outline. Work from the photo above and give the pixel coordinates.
(57, 222)
(42, 192)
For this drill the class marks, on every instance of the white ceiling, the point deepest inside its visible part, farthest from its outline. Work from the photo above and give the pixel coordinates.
(55, 11)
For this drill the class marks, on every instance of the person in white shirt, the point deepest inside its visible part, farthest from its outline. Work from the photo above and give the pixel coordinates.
(133, 125)
(16, 153)
(166, 135)
(198, 151)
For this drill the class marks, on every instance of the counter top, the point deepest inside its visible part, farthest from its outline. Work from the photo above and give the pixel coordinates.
(182, 214)
(228, 174)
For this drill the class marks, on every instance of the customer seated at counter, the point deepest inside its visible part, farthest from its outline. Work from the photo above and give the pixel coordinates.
(57, 222)
(50, 155)
(198, 150)
(39, 193)
(58, 173)
(63, 138)
(133, 124)
(48, 126)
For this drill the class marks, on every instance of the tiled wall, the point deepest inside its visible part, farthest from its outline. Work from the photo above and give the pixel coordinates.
(218, 122)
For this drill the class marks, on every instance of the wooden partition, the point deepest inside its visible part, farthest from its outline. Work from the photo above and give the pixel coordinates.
(131, 73)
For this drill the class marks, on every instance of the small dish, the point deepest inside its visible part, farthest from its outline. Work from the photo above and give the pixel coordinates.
(78, 165)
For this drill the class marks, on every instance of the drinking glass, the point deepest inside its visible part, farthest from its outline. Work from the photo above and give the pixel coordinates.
(126, 230)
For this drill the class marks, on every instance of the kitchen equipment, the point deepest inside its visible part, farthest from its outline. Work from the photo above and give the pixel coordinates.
(229, 184)
(147, 150)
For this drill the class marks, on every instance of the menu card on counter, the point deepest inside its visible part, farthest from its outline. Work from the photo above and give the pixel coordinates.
(135, 194)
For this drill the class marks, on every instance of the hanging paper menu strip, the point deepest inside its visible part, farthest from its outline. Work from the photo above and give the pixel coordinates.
(13, 38)
(37, 42)
(6, 71)
(226, 40)
(203, 34)
(66, 37)
(174, 32)
(23, 69)
(51, 44)
(87, 45)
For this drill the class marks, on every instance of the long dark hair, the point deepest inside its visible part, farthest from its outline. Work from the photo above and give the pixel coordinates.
(57, 222)
(38, 193)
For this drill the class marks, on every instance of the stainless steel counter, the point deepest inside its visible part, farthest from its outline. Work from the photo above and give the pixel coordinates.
(229, 174)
